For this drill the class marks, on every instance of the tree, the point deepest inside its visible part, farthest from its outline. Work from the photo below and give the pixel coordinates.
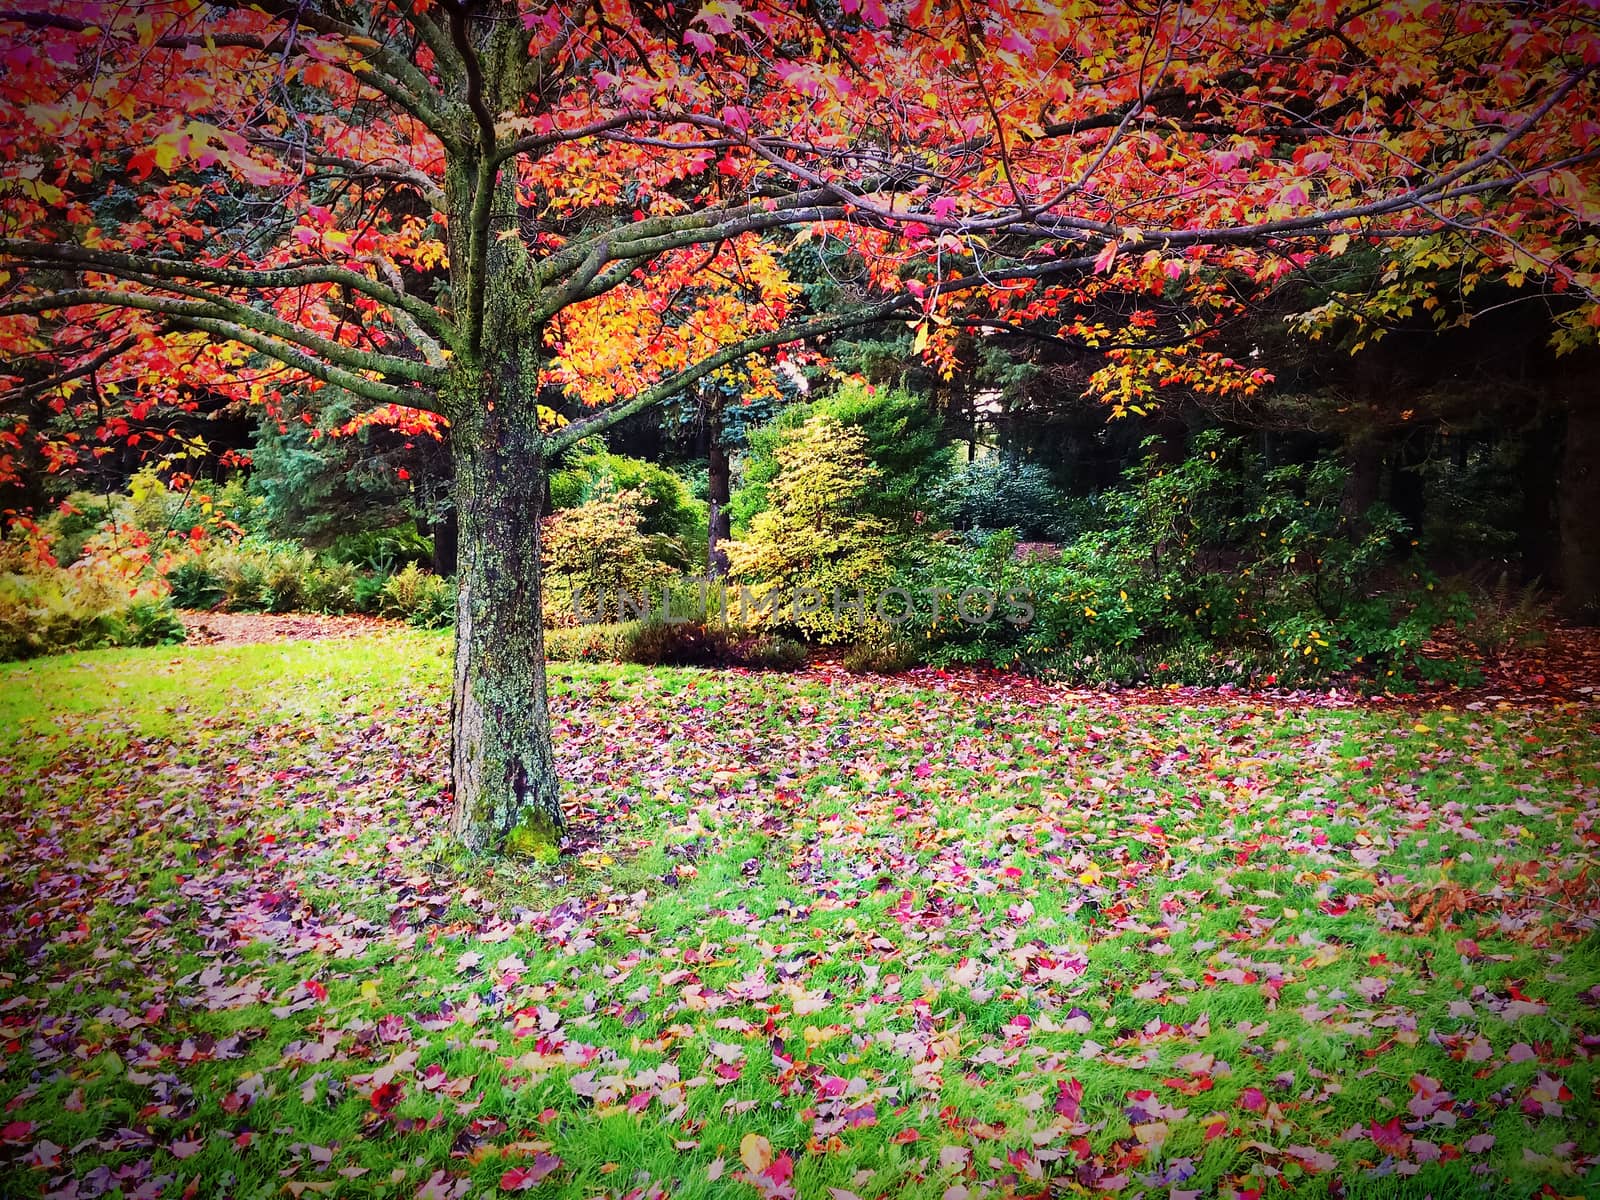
(475, 210)
(817, 556)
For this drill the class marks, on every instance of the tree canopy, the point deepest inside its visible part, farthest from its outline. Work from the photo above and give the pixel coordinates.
(528, 221)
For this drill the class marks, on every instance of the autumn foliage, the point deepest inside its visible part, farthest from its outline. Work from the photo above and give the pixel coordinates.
(527, 221)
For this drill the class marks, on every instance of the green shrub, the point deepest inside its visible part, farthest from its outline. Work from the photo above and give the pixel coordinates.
(595, 553)
(367, 591)
(937, 574)
(901, 437)
(424, 600)
(331, 587)
(881, 657)
(993, 493)
(816, 548)
(148, 623)
(669, 514)
(285, 575)
(194, 583)
(904, 440)
(241, 575)
(1221, 570)
(384, 550)
(590, 643)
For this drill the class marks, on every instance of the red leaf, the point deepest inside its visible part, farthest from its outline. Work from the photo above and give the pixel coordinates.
(387, 1096)
(1069, 1099)
(520, 1179)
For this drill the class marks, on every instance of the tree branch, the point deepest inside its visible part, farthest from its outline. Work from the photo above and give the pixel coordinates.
(600, 421)
(299, 349)
(576, 284)
(391, 75)
(114, 262)
(39, 386)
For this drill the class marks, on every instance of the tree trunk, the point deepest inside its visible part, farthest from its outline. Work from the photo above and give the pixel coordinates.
(1408, 489)
(1537, 524)
(718, 491)
(503, 765)
(1580, 506)
(1364, 464)
(444, 542)
(502, 762)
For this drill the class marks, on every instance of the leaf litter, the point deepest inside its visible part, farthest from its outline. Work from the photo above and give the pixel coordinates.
(815, 935)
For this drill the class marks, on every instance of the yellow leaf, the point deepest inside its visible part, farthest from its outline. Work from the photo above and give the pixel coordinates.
(755, 1152)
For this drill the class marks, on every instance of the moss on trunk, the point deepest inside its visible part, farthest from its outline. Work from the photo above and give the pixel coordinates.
(503, 763)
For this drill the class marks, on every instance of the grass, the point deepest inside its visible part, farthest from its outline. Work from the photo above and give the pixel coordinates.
(816, 934)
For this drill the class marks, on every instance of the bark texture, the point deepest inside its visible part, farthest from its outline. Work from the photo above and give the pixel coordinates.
(501, 755)
(502, 762)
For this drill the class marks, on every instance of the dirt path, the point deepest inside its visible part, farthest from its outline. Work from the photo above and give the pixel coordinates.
(243, 629)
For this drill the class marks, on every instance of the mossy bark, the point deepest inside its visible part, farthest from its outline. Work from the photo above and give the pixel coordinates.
(502, 760)
(503, 764)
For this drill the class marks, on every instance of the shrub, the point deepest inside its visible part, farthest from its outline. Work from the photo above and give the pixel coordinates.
(284, 578)
(424, 600)
(236, 508)
(766, 652)
(367, 591)
(881, 657)
(53, 610)
(74, 522)
(669, 515)
(254, 576)
(194, 583)
(685, 644)
(969, 603)
(148, 623)
(1504, 615)
(331, 588)
(241, 575)
(816, 542)
(315, 484)
(902, 439)
(589, 643)
(385, 550)
(595, 553)
(1209, 570)
(993, 493)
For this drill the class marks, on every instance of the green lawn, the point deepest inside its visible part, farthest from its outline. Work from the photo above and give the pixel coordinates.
(819, 939)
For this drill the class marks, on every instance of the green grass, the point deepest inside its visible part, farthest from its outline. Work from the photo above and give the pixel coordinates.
(863, 931)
